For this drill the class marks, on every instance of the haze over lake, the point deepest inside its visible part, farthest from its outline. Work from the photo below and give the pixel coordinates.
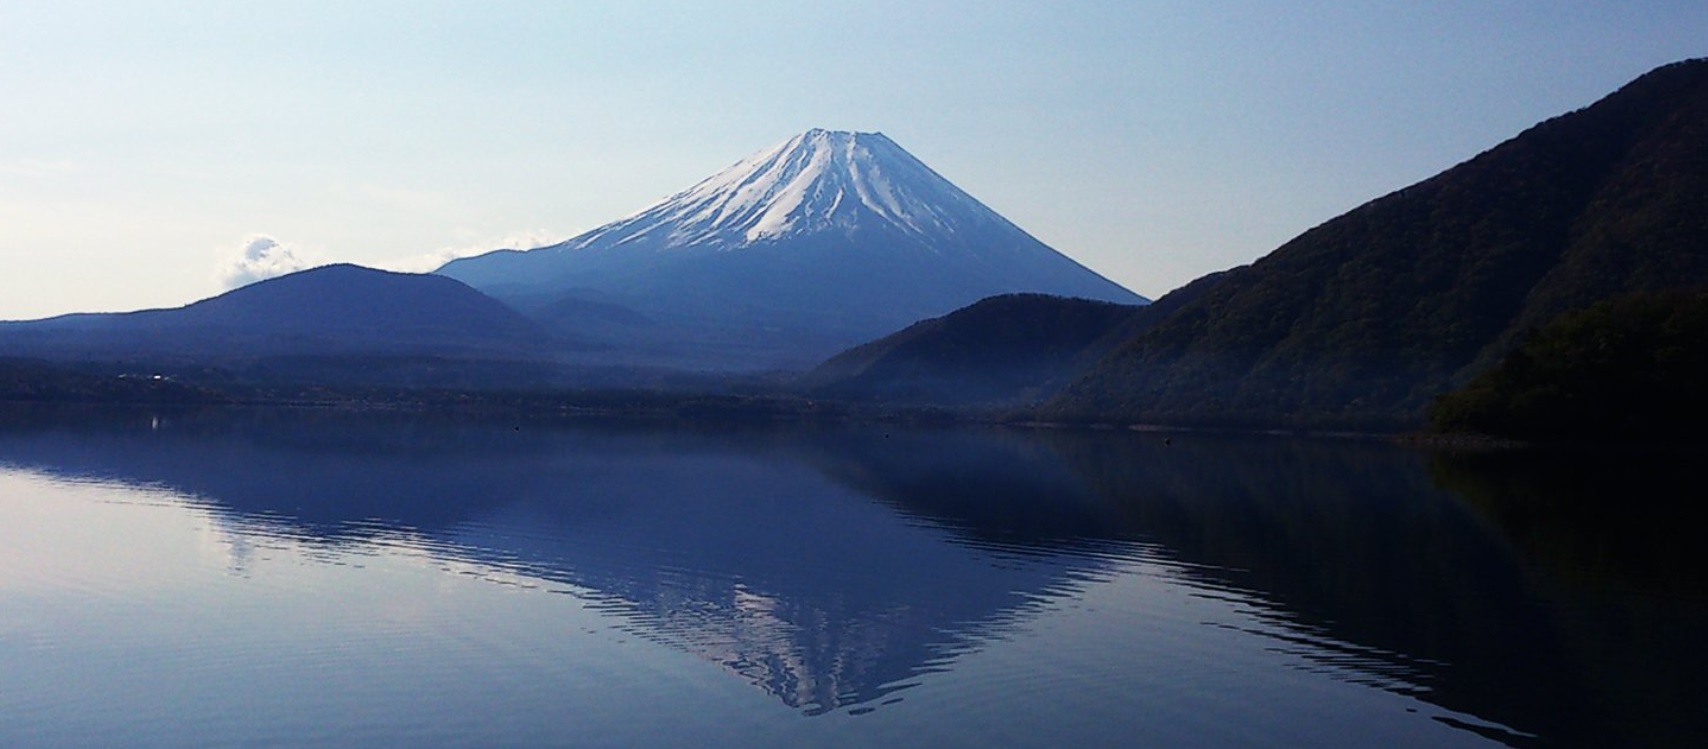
(307, 578)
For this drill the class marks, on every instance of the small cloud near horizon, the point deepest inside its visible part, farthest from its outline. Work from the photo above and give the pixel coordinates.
(261, 258)
(432, 261)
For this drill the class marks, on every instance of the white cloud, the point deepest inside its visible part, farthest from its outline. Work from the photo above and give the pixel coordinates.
(261, 258)
(429, 262)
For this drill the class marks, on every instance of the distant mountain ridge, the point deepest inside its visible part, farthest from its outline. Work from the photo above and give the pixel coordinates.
(334, 309)
(824, 241)
(1363, 320)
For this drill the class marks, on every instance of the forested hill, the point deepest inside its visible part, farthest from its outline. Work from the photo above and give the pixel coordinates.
(1628, 369)
(1362, 321)
(1012, 348)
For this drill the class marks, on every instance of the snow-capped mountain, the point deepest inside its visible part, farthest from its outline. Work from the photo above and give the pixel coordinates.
(821, 242)
(815, 181)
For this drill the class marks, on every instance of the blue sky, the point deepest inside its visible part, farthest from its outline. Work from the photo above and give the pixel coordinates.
(145, 146)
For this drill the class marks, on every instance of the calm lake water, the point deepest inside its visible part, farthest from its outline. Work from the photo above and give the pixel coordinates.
(252, 578)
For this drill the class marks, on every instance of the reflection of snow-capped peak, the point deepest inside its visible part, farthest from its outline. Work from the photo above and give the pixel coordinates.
(816, 181)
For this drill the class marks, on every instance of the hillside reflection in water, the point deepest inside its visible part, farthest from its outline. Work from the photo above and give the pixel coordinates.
(834, 568)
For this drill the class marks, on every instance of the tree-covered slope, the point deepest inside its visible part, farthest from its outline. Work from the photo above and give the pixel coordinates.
(1363, 320)
(1633, 368)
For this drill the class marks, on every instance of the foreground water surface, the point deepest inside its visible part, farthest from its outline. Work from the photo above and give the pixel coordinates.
(277, 578)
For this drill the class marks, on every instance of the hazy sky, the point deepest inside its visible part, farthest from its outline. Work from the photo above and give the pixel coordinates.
(145, 148)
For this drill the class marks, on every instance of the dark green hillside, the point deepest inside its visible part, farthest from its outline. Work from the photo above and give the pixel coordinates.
(1007, 348)
(1364, 320)
(1634, 368)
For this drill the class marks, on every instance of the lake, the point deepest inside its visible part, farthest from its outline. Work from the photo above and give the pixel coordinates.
(303, 578)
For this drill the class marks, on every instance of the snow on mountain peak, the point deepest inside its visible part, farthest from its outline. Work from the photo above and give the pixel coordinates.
(815, 181)
(801, 250)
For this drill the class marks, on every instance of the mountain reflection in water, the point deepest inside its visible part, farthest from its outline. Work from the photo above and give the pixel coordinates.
(832, 567)
(730, 545)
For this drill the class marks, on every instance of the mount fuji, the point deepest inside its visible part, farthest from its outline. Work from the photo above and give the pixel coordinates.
(824, 241)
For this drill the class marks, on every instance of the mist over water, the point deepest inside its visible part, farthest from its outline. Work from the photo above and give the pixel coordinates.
(321, 579)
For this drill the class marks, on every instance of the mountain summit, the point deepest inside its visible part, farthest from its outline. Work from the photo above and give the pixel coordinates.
(817, 181)
(820, 242)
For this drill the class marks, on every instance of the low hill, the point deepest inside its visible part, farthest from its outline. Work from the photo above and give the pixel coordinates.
(1364, 320)
(1004, 349)
(329, 311)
